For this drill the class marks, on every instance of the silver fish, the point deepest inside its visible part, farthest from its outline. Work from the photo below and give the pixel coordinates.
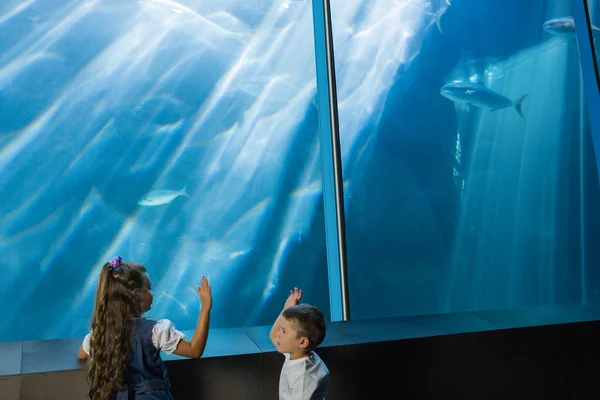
(440, 7)
(160, 197)
(476, 94)
(564, 27)
(281, 92)
(173, 15)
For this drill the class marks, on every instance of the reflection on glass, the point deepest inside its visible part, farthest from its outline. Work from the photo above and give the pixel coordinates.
(182, 135)
(461, 124)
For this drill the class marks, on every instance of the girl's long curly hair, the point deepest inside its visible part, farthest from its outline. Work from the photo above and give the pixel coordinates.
(117, 307)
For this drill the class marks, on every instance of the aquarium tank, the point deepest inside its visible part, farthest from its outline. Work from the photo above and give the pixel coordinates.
(185, 135)
(471, 177)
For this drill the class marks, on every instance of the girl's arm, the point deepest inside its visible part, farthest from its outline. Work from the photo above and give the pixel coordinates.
(195, 347)
(81, 354)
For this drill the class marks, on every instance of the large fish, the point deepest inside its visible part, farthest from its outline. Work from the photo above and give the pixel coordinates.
(477, 95)
(160, 197)
(564, 27)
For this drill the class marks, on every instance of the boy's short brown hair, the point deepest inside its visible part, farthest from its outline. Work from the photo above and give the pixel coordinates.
(308, 321)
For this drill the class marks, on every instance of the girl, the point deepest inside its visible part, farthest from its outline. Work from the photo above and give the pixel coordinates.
(124, 347)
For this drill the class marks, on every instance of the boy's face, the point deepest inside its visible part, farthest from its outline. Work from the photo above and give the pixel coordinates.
(287, 340)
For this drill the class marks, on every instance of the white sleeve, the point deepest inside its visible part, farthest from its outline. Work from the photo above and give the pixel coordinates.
(86, 343)
(165, 337)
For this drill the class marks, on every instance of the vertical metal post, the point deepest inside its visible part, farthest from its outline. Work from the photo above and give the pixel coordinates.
(333, 189)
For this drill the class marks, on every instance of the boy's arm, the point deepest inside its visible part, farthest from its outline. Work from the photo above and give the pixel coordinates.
(274, 329)
(292, 300)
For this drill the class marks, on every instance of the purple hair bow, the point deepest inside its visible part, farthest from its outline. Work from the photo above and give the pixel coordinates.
(115, 262)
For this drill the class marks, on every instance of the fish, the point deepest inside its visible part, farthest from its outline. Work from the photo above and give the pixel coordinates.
(564, 27)
(438, 17)
(280, 90)
(160, 197)
(161, 110)
(173, 15)
(478, 95)
(442, 7)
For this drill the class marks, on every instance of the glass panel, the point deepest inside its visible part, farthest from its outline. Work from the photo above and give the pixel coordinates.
(592, 192)
(463, 133)
(180, 135)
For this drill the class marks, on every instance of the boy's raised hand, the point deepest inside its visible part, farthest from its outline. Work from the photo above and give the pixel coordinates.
(294, 298)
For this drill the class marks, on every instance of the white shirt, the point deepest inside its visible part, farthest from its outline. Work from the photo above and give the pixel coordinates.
(306, 378)
(164, 337)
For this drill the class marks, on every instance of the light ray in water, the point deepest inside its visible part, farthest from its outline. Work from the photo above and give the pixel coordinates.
(16, 10)
(525, 161)
(129, 118)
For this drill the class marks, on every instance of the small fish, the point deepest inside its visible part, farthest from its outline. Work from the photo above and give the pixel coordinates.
(564, 27)
(161, 110)
(476, 94)
(160, 197)
(173, 15)
(441, 6)
(438, 18)
(280, 90)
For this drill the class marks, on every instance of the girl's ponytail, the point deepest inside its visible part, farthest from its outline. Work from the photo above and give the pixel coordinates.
(116, 308)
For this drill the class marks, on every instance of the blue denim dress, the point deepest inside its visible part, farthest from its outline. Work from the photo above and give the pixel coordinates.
(147, 376)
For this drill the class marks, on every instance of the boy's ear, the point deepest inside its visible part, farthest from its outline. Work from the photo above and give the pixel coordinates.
(303, 342)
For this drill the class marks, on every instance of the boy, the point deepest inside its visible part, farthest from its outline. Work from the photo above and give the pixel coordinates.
(297, 332)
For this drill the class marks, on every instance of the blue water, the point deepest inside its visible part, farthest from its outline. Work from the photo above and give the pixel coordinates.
(451, 207)
(447, 209)
(103, 102)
